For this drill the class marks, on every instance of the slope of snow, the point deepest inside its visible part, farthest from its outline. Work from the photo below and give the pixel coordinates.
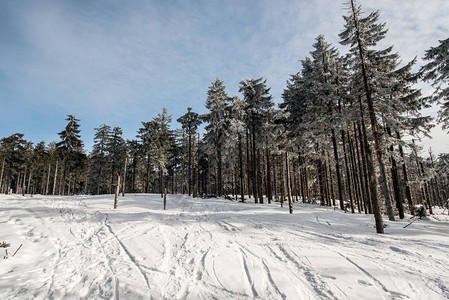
(80, 248)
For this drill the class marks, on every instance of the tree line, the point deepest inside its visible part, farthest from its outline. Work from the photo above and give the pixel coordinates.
(343, 135)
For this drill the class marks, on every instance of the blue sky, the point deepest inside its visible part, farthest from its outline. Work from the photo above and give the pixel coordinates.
(119, 62)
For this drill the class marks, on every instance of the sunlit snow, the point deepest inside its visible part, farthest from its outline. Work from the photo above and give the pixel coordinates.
(80, 247)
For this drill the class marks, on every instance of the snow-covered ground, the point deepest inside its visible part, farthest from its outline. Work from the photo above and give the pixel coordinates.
(80, 247)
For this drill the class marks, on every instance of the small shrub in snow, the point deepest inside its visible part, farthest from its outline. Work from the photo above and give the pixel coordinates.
(420, 211)
(5, 245)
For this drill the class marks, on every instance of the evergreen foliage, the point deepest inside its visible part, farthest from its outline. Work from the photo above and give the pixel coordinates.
(437, 71)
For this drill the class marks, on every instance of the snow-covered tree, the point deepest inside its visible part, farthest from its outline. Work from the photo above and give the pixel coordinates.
(98, 159)
(237, 129)
(190, 122)
(218, 122)
(163, 142)
(258, 108)
(362, 33)
(72, 154)
(437, 71)
(117, 154)
(12, 151)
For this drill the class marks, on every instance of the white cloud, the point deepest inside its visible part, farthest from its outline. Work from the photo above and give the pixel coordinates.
(121, 62)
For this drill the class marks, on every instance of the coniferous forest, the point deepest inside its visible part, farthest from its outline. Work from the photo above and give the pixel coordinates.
(343, 135)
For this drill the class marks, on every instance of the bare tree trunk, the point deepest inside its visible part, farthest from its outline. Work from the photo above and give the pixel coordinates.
(289, 195)
(348, 175)
(303, 179)
(29, 182)
(190, 163)
(426, 190)
(1, 175)
(62, 183)
(117, 191)
(259, 177)
(269, 191)
(173, 191)
(48, 179)
(124, 177)
(337, 169)
(194, 187)
(373, 180)
(99, 180)
(361, 169)
(147, 183)
(283, 181)
(161, 184)
(274, 179)
(395, 180)
(242, 192)
(55, 177)
(254, 167)
(295, 181)
(182, 171)
(331, 182)
(320, 181)
(437, 186)
(111, 189)
(133, 178)
(23, 181)
(408, 193)
(327, 181)
(248, 165)
(364, 158)
(219, 171)
(354, 174)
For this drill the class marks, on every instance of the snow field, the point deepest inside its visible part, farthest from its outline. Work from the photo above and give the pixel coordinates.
(78, 247)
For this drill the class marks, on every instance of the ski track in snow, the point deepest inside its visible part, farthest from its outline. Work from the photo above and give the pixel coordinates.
(78, 247)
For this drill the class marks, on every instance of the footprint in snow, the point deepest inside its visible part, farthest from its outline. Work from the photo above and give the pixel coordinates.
(363, 282)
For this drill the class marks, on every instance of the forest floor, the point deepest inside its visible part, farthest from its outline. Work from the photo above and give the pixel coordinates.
(79, 247)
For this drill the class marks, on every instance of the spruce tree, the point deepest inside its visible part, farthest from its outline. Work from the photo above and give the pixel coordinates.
(362, 34)
(237, 129)
(98, 158)
(117, 153)
(190, 122)
(437, 72)
(218, 119)
(71, 150)
(164, 139)
(13, 149)
(258, 108)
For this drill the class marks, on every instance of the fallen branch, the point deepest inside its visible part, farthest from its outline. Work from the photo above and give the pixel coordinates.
(410, 223)
(17, 250)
